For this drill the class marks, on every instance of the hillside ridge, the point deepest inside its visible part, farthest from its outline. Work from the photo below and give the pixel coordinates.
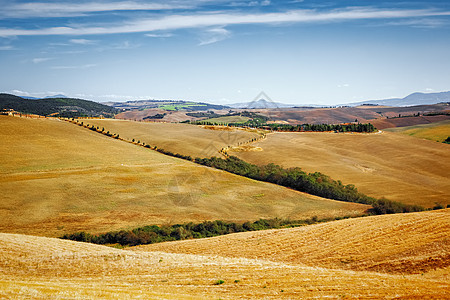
(402, 243)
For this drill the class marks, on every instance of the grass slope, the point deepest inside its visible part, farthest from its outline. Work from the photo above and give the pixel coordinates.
(178, 138)
(402, 243)
(435, 131)
(45, 268)
(398, 167)
(58, 178)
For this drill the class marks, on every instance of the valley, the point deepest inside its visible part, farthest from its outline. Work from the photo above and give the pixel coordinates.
(58, 178)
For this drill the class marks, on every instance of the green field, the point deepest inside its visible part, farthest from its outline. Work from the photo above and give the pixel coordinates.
(174, 107)
(435, 131)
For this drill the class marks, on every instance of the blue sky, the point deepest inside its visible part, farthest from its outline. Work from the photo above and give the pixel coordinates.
(296, 51)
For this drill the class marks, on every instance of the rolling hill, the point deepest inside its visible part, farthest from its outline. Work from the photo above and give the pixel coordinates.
(64, 107)
(398, 167)
(185, 139)
(345, 114)
(58, 178)
(402, 243)
(226, 267)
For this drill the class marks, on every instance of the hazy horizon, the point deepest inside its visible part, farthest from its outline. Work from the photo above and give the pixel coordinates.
(297, 51)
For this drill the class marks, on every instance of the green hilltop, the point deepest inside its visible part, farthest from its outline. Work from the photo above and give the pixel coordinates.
(59, 107)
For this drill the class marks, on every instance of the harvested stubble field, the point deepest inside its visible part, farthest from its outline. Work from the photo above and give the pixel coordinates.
(37, 267)
(435, 131)
(185, 139)
(398, 167)
(413, 243)
(58, 178)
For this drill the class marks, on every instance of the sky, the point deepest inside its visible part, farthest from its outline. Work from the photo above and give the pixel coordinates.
(217, 51)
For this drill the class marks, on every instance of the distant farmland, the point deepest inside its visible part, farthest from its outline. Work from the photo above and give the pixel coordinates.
(435, 131)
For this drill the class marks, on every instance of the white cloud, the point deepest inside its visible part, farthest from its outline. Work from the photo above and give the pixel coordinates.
(83, 41)
(34, 94)
(40, 59)
(173, 22)
(87, 66)
(343, 85)
(49, 9)
(113, 97)
(418, 23)
(19, 93)
(214, 35)
(6, 48)
(265, 2)
(159, 35)
(125, 46)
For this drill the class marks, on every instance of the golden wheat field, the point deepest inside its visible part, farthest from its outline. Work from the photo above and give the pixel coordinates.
(185, 139)
(399, 167)
(57, 177)
(437, 132)
(401, 244)
(259, 265)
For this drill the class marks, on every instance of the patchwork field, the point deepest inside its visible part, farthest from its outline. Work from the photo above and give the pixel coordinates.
(185, 139)
(395, 166)
(408, 121)
(58, 178)
(37, 267)
(364, 113)
(435, 131)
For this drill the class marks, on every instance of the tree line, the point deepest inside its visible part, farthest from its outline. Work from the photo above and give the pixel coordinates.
(257, 123)
(157, 234)
(353, 127)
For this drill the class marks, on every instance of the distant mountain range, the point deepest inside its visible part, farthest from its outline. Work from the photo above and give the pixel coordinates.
(410, 100)
(263, 103)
